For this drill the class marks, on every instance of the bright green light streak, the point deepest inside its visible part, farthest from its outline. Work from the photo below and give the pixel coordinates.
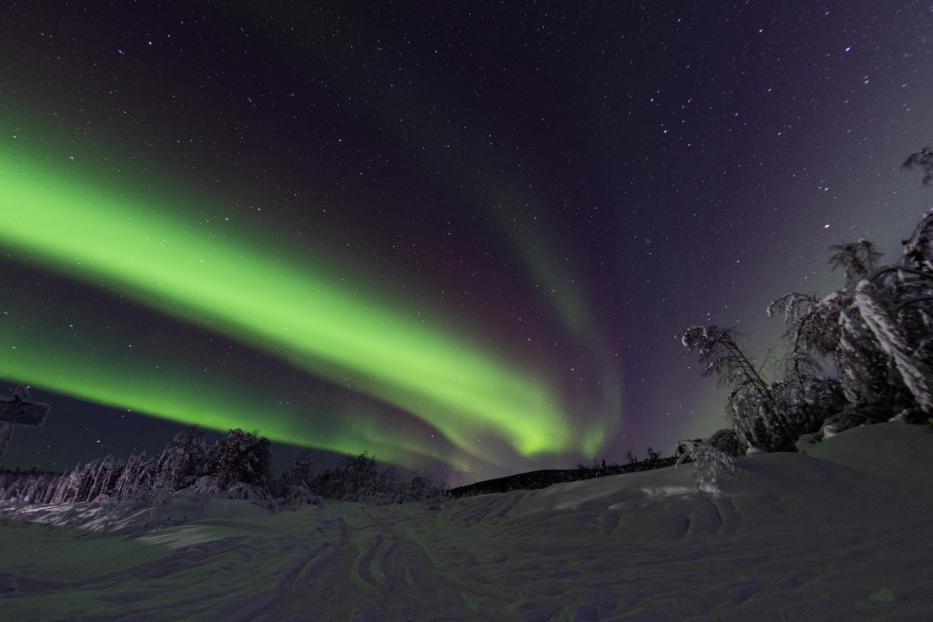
(567, 296)
(41, 351)
(166, 261)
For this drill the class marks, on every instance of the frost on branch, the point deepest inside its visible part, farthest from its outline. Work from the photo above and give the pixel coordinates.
(754, 412)
(908, 351)
(922, 160)
(918, 250)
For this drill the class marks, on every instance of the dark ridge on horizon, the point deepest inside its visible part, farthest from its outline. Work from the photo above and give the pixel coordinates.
(533, 480)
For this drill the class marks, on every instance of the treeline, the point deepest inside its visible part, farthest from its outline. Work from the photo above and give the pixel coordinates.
(862, 354)
(236, 466)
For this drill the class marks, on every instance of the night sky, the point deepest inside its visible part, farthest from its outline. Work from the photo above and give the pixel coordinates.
(459, 236)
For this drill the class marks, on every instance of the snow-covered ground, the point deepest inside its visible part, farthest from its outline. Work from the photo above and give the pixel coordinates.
(841, 533)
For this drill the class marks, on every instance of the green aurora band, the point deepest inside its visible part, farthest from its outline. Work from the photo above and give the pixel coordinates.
(556, 281)
(92, 363)
(176, 398)
(160, 258)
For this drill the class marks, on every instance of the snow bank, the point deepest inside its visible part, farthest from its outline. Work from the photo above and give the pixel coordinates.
(839, 533)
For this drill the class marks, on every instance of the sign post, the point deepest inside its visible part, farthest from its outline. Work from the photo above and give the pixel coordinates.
(19, 410)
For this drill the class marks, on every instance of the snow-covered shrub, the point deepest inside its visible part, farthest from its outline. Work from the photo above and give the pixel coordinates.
(357, 478)
(205, 485)
(138, 500)
(361, 478)
(421, 488)
(294, 487)
(248, 492)
(708, 463)
(850, 417)
(727, 442)
(804, 406)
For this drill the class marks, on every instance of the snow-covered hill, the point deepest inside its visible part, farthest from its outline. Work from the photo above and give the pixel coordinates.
(842, 532)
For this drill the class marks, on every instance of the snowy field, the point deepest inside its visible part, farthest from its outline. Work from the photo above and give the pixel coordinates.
(843, 533)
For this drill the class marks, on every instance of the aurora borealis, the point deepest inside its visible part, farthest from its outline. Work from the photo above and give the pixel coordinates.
(330, 331)
(461, 238)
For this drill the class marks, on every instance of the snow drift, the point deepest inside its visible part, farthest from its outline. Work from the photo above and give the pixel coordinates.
(840, 532)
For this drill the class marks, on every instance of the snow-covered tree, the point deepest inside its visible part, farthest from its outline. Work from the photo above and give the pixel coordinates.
(241, 457)
(105, 477)
(361, 478)
(137, 477)
(896, 304)
(875, 336)
(183, 460)
(755, 413)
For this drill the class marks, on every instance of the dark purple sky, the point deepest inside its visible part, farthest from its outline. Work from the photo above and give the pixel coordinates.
(575, 182)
